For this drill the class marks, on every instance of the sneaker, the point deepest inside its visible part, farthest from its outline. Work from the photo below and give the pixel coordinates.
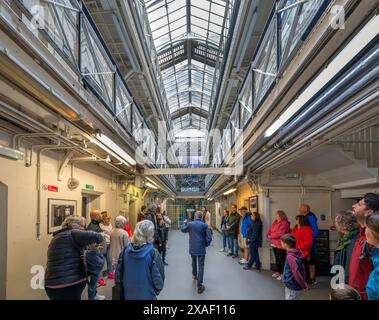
(279, 278)
(234, 256)
(247, 268)
(102, 282)
(165, 263)
(200, 290)
(222, 250)
(312, 281)
(111, 275)
(276, 274)
(229, 254)
(242, 261)
(99, 297)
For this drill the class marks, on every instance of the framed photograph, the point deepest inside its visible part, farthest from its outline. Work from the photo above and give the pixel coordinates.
(58, 211)
(253, 204)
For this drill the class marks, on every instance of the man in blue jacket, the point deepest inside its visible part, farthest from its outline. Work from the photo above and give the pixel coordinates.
(305, 210)
(199, 238)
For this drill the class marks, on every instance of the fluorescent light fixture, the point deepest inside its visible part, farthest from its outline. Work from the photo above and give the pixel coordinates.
(229, 191)
(11, 153)
(363, 38)
(150, 185)
(113, 149)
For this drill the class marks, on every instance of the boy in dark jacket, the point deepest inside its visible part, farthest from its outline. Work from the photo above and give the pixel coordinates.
(294, 273)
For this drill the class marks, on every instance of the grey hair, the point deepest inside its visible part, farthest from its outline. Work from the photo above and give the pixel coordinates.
(74, 222)
(143, 233)
(153, 208)
(346, 221)
(198, 215)
(120, 222)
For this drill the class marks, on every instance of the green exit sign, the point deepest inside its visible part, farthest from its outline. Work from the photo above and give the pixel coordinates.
(90, 187)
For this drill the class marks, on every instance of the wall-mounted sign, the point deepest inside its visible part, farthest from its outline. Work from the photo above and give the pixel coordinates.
(90, 187)
(52, 188)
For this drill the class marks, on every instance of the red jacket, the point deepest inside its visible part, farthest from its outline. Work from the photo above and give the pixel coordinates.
(128, 230)
(360, 270)
(278, 229)
(304, 239)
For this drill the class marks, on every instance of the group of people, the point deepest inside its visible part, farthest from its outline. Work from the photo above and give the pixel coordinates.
(357, 250)
(78, 254)
(242, 230)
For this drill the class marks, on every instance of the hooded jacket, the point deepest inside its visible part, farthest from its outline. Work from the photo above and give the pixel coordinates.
(312, 219)
(254, 233)
(64, 265)
(344, 251)
(277, 230)
(294, 271)
(233, 222)
(245, 224)
(372, 287)
(143, 272)
(360, 264)
(304, 239)
(199, 237)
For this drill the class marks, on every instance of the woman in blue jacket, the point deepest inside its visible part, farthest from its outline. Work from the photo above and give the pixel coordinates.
(372, 234)
(254, 239)
(141, 270)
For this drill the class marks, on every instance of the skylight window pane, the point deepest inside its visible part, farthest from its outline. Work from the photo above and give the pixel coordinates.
(177, 23)
(160, 32)
(198, 12)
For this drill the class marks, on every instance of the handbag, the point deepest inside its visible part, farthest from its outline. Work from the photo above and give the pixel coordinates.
(118, 288)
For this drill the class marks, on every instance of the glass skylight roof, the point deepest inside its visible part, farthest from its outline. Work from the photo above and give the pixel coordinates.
(187, 36)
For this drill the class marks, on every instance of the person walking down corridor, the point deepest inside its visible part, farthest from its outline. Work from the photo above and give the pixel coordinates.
(140, 269)
(200, 237)
(279, 228)
(223, 231)
(65, 277)
(254, 239)
(232, 231)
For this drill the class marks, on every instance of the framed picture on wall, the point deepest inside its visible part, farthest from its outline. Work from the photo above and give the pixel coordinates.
(58, 210)
(253, 204)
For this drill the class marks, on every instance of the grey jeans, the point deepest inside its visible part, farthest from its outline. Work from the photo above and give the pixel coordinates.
(292, 294)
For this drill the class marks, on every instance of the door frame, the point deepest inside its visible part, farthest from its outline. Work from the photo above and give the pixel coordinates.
(3, 239)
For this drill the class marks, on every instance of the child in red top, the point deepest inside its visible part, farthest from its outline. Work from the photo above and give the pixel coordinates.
(304, 239)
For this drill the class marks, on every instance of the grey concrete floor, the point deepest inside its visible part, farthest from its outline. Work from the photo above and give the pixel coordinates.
(224, 278)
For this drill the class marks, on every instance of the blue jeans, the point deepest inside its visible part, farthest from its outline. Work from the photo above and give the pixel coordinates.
(233, 245)
(254, 256)
(108, 259)
(224, 238)
(198, 263)
(92, 286)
